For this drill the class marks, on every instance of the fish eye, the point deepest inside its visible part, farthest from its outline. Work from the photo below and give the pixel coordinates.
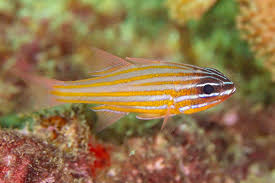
(208, 89)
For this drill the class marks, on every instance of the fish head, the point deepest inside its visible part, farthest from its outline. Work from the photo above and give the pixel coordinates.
(212, 89)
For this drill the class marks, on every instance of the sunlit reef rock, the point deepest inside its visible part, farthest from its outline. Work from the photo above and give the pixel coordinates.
(256, 21)
(184, 10)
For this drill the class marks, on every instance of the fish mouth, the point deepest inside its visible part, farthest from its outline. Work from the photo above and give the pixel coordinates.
(228, 92)
(234, 90)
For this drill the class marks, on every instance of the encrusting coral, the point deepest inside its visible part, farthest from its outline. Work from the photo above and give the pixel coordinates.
(256, 22)
(28, 159)
(183, 10)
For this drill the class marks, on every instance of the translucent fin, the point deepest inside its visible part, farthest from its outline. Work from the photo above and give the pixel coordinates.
(107, 118)
(104, 61)
(142, 61)
(36, 79)
(104, 72)
(148, 116)
(39, 87)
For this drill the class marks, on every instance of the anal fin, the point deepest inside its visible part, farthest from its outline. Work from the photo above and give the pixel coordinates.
(107, 118)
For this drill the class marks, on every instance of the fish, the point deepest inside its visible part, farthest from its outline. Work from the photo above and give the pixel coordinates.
(151, 88)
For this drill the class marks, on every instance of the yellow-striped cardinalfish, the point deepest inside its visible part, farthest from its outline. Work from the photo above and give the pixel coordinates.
(151, 88)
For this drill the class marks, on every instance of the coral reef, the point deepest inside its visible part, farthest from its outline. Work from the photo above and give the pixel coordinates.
(206, 151)
(69, 133)
(183, 10)
(69, 129)
(27, 159)
(256, 22)
(156, 159)
(59, 146)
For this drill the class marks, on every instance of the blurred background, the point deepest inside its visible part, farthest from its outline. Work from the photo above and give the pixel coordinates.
(233, 142)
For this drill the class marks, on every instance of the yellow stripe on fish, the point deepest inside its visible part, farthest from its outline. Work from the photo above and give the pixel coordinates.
(125, 71)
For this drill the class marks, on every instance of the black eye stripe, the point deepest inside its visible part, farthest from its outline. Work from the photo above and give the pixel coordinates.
(208, 89)
(217, 73)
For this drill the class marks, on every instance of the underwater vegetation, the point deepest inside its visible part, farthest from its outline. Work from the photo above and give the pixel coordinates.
(256, 21)
(231, 143)
(184, 10)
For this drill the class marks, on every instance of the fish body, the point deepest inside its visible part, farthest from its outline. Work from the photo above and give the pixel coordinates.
(151, 88)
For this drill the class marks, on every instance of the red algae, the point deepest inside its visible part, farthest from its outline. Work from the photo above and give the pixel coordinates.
(102, 157)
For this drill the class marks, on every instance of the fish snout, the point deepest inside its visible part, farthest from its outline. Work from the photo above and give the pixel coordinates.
(233, 90)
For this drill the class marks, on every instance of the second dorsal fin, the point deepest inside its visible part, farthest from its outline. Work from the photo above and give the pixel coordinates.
(104, 71)
(143, 61)
(104, 62)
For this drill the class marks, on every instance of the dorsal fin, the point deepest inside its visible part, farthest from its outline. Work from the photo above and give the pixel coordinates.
(143, 61)
(104, 71)
(105, 62)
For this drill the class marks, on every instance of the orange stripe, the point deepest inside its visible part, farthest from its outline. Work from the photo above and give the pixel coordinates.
(164, 82)
(128, 109)
(123, 80)
(127, 71)
(139, 103)
(105, 71)
(173, 93)
(190, 111)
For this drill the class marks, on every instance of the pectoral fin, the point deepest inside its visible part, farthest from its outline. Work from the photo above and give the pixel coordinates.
(166, 117)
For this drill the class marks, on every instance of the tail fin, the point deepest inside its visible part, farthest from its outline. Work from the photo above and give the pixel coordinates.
(39, 87)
